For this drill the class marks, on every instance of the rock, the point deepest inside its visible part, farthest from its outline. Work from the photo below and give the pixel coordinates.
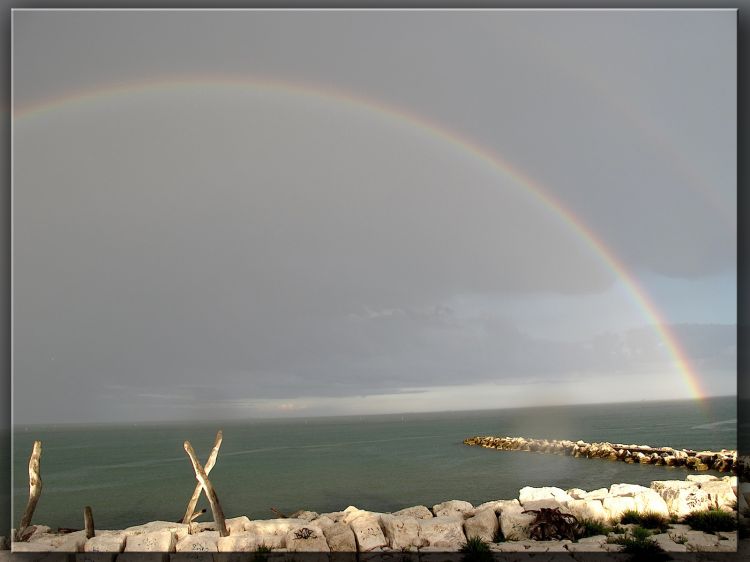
(596, 539)
(626, 490)
(442, 532)
(202, 542)
(178, 529)
(272, 532)
(700, 541)
(576, 493)
(548, 504)
(720, 493)
(106, 541)
(589, 509)
(54, 542)
(340, 538)
(418, 511)
(498, 505)
(401, 531)
(323, 521)
(235, 525)
(304, 515)
(616, 506)
(308, 538)
(666, 542)
(700, 478)
(528, 493)
(682, 497)
(453, 508)
(367, 532)
(585, 547)
(243, 542)
(483, 524)
(155, 541)
(598, 494)
(515, 524)
(648, 501)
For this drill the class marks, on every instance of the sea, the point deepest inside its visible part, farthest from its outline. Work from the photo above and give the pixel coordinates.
(131, 474)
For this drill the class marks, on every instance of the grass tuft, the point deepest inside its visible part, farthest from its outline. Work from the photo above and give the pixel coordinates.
(640, 546)
(476, 550)
(591, 528)
(648, 520)
(712, 521)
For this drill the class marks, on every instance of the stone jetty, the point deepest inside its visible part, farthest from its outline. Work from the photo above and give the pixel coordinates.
(721, 461)
(421, 532)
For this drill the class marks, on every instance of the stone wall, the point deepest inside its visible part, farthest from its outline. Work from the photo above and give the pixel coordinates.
(420, 530)
(722, 461)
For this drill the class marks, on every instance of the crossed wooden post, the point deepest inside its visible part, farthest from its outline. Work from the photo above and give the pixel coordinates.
(204, 483)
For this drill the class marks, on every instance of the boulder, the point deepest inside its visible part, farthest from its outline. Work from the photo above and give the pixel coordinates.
(453, 508)
(700, 478)
(401, 531)
(483, 524)
(367, 532)
(498, 505)
(548, 504)
(598, 494)
(528, 494)
(155, 541)
(442, 532)
(106, 541)
(418, 511)
(340, 538)
(242, 542)
(515, 524)
(323, 521)
(234, 525)
(589, 509)
(666, 542)
(307, 538)
(720, 493)
(616, 506)
(272, 532)
(52, 542)
(178, 529)
(626, 490)
(648, 501)
(202, 542)
(576, 493)
(682, 497)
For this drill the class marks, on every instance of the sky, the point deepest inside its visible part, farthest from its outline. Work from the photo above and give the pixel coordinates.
(299, 213)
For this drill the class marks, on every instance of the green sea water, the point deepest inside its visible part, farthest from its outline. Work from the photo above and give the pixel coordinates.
(131, 474)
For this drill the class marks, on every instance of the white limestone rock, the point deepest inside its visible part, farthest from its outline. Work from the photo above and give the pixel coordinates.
(106, 541)
(626, 490)
(323, 521)
(418, 511)
(272, 532)
(528, 494)
(367, 532)
(616, 506)
(598, 494)
(235, 525)
(498, 505)
(700, 478)
(443, 532)
(515, 524)
(340, 538)
(155, 541)
(401, 531)
(241, 542)
(682, 497)
(648, 501)
(548, 504)
(178, 529)
(483, 524)
(720, 493)
(54, 542)
(457, 508)
(201, 542)
(666, 542)
(589, 509)
(576, 493)
(308, 538)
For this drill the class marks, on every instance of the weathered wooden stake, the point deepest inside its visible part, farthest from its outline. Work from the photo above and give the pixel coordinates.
(35, 487)
(88, 521)
(190, 511)
(205, 483)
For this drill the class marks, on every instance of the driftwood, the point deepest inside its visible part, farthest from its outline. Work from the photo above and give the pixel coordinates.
(278, 513)
(190, 513)
(35, 487)
(205, 483)
(88, 521)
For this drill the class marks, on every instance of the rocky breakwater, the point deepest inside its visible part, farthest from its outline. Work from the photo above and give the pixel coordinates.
(722, 461)
(505, 524)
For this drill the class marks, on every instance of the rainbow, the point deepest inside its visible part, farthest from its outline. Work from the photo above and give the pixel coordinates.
(462, 143)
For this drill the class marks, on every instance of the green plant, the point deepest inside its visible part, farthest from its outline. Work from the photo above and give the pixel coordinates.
(640, 546)
(591, 528)
(712, 520)
(476, 550)
(648, 520)
(261, 553)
